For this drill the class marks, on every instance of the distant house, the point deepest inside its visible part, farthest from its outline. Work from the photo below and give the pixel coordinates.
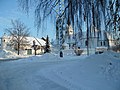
(97, 41)
(26, 47)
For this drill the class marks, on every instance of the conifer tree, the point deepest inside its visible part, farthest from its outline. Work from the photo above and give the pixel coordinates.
(47, 48)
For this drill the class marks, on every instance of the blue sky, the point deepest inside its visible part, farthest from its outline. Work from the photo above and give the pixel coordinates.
(9, 10)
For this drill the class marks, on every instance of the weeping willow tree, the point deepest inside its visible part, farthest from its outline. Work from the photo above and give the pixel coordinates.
(100, 14)
(74, 10)
(113, 19)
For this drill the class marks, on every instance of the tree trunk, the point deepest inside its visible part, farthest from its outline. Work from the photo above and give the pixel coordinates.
(18, 48)
(87, 36)
(35, 52)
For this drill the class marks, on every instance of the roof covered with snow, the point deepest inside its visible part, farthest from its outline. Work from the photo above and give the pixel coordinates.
(38, 41)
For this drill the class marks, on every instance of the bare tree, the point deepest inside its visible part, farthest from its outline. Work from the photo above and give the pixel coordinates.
(18, 31)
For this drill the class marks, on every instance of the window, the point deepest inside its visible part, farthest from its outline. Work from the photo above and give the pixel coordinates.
(104, 43)
(29, 51)
(101, 43)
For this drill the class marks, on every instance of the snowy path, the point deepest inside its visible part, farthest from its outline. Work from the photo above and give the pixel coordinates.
(49, 72)
(22, 75)
(21, 79)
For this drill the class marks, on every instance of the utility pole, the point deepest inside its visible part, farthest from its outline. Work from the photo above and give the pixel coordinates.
(60, 29)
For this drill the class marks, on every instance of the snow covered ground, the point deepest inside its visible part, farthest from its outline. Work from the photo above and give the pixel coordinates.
(7, 54)
(50, 72)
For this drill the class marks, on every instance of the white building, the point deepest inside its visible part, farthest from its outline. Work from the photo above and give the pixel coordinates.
(97, 40)
(94, 41)
(26, 47)
(114, 40)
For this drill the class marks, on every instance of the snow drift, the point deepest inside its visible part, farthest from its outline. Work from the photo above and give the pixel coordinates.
(4, 54)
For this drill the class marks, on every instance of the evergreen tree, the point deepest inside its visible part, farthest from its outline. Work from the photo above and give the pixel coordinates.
(47, 48)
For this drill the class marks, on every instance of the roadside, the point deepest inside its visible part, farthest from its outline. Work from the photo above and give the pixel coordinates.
(11, 59)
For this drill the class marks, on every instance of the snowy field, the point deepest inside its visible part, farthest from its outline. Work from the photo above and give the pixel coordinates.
(49, 72)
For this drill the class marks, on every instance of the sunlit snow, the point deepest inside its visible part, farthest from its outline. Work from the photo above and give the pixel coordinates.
(50, 72)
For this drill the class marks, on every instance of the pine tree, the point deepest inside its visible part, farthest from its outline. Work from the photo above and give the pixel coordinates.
(47, 48)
